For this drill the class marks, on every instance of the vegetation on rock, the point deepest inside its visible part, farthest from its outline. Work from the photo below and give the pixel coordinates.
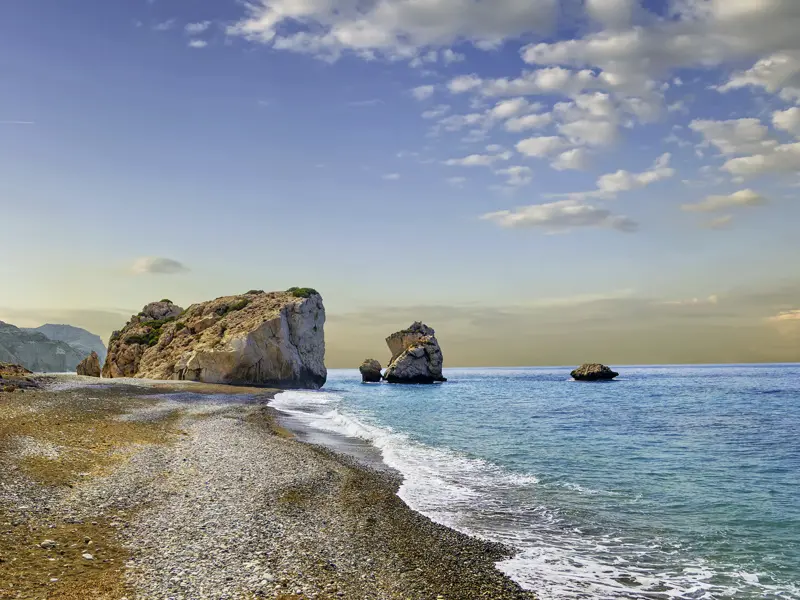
(303, 292)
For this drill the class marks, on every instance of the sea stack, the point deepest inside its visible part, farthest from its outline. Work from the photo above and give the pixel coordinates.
(416, 356)
(89, 366)
(593, 372)
(370, 371)
(268, 339)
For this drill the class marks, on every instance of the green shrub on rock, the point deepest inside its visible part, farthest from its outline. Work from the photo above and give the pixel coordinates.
(304, 292)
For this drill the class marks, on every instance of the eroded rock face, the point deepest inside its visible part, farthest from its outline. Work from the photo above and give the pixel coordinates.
(271, 339)
(370, 371)
(416, 356)
(90, 366)
(593, 372)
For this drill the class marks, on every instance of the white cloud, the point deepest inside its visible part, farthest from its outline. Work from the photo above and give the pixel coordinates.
(456, 181)
(423, 92)
(575, 159)
(742, 198)
(158, 266)
(591, 133)
(613, 14)
(624, 181)
(478, 160)
(449, 57)
(392, 28)
(702, 33)
(778, 74)
(781, 159)
(505, 109)
(164, 25)
(560, 216)
(788, 120)
(517, 176)
(437, 112)
(197, 28)
(197, 44)
(737, 136)
(392, 176)
(463, 83)
(541, 147)
(787, 315)
(527, 122)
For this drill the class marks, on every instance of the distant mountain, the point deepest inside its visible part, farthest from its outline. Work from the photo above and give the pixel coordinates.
(83, 341)
(35, 351)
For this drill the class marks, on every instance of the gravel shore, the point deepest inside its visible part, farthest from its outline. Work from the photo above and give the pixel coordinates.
(208, 498)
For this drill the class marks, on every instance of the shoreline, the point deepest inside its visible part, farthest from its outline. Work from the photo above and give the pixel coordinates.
(194, 491)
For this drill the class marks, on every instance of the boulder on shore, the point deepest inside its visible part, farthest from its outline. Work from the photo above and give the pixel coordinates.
(15, 377)
(416, 356)
(370, 371)
(89, 366)
(269, 339)
(593, 372)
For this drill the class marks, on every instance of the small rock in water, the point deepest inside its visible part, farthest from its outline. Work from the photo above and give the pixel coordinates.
(48, 544)
(87, 556)
(593, 372)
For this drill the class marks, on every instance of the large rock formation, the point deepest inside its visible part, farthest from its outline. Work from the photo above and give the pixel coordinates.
(36, 352)
(83, 341)
(593, 372)
(416, 356)
(370, 371)
(271, 339)
(90, 366)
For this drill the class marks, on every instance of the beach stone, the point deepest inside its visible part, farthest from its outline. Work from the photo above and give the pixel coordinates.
(416, 356)
(90, 366)
(48, 544)
(370, 371)
(593, 372)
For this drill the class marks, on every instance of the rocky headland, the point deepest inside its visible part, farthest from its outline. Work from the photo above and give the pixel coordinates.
(416, 356)
(268, 339)
(36, 352)
(593, 372)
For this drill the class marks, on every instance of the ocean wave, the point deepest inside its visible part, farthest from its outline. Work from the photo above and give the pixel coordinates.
(555, 558)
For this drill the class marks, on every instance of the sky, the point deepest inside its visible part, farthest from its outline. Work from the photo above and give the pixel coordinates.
(542, 182)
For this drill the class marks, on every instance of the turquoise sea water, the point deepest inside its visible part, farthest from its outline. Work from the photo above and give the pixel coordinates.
(671, 482)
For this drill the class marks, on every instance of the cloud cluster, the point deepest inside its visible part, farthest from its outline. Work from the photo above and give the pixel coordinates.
(395, 29)
(561, 216)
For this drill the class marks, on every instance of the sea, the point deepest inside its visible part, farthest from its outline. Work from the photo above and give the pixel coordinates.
(669, 482)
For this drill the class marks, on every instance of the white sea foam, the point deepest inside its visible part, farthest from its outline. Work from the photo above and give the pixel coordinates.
(554, 558)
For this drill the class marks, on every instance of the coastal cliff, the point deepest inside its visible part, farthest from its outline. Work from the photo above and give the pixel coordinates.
(35, 351)
(83, 341)
(271, 339)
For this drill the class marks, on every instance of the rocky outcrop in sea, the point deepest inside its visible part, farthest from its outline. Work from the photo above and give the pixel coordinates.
(416, 356)
(35, 351)
(83, 341)
(271, 339)
(370, 371)
(90, 366)
(593, 372)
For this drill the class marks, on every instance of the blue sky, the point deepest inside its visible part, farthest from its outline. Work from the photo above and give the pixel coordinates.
(406, 157)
